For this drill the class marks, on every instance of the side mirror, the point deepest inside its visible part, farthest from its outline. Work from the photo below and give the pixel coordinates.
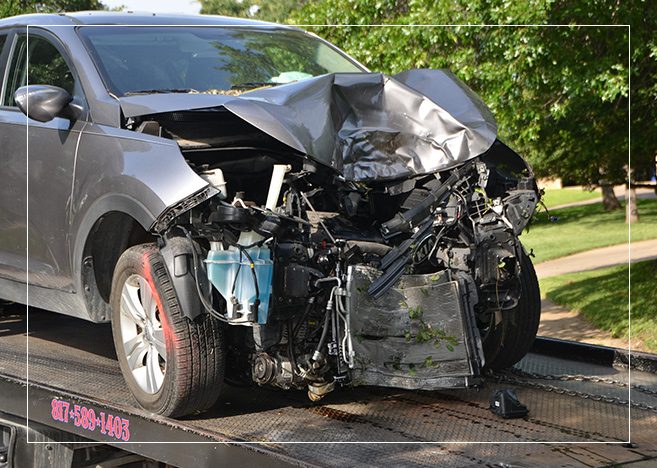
(46, 103)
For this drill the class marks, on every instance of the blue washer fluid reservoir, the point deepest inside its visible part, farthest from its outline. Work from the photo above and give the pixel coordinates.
(224, 271)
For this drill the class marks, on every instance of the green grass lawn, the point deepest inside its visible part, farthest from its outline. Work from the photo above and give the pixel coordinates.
(601, 295)
(556, 197)
(587, 227)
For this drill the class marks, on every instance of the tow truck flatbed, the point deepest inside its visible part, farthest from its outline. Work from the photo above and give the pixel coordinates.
(582, 408)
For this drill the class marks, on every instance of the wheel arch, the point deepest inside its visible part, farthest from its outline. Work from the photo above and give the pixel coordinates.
(113, 224)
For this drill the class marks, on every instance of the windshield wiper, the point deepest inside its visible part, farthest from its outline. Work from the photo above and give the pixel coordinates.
(161, 91)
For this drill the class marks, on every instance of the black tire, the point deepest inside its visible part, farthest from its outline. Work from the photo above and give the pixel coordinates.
(519, 325)
(193, 373)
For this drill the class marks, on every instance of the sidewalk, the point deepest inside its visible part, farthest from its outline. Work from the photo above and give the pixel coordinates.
(559, 322)
(564, 324)
(598, 258)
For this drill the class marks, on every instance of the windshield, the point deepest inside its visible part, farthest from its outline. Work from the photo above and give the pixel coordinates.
(136, 60)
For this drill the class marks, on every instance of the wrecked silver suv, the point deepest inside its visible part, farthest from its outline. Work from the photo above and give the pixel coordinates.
(247, 203)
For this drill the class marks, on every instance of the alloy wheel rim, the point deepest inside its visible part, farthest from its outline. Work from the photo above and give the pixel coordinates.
(142, 334)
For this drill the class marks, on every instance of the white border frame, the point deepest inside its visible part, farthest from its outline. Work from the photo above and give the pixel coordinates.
(629, 260)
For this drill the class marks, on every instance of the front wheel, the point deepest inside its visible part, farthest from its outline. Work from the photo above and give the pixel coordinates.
(173, 366)
(514, 334)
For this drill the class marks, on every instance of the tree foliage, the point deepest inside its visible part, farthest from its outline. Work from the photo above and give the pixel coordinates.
(560, 94)
(274, 10)
(20, 7)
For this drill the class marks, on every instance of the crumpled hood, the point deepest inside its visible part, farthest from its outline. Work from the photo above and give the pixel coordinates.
(367, 126)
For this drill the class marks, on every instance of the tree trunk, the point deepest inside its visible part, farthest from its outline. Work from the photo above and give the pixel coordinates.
(632, 212)
(631, 208)
(609, 200)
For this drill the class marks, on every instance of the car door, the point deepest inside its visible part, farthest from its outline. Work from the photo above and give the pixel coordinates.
(37, 164)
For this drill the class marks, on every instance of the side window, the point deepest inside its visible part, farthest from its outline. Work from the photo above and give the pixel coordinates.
(46, 67)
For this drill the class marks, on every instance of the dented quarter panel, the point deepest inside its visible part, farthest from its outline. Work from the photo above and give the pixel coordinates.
(120, 170)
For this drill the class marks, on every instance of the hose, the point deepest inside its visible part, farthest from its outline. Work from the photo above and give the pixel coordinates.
(346, 343)
(290, 349)
(311, 302)
(237, 274)
(253, 274)
(324, 336)
(208, 307)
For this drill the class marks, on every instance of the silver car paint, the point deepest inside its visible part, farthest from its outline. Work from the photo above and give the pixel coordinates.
(74, 183)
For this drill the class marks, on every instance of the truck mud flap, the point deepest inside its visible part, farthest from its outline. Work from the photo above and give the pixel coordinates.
(418, 335)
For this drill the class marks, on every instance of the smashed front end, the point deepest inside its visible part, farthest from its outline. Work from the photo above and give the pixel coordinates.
(357, 229)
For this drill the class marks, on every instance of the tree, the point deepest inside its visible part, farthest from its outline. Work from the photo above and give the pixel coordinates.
(19, 7)
(560, 95)
(266, 10)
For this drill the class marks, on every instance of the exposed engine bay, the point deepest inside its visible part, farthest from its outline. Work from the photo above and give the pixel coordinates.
(340, 274)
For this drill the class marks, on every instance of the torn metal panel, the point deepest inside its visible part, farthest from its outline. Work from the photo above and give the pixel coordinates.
(367, 126)
(414, 336)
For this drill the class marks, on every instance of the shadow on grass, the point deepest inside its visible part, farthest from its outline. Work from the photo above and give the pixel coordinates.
(602, 296)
